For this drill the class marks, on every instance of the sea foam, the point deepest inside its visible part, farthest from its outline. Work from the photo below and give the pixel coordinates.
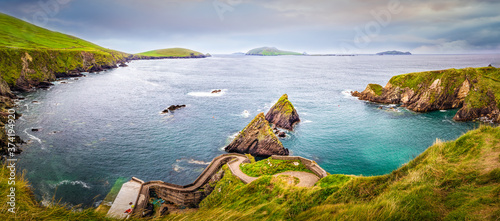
(207, 94)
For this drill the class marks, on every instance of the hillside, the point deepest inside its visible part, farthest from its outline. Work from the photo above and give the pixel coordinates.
(456, 180)
(173, 53)
(475, 91)
(31, 55)
(270, 51)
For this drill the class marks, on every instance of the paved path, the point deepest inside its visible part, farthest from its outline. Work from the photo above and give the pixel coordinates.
(306, 179)
(128, 193)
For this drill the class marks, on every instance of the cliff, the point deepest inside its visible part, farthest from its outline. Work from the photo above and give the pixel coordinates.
(257, 139)
(476, 91)
(283, 114)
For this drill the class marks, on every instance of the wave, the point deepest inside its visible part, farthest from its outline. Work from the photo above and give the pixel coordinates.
(193, 161)
(74, 183)
(245, 114)
(347, 94)
(442, 110)
(307, 121)
(32, 137)
(207, 94)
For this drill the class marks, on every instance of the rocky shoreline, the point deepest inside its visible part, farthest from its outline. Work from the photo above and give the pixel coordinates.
(473, 91)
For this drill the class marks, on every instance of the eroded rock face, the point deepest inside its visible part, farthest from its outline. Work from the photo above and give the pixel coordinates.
(468, 89)
(283, 114)
(257, 139)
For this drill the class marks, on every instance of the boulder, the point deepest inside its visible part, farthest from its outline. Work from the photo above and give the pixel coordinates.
(216, 91)
(283, 114)
(257, 139)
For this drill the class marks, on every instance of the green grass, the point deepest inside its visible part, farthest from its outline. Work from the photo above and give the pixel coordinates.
(271, 166)
(40, 53)
(376, 88)
(171, 52)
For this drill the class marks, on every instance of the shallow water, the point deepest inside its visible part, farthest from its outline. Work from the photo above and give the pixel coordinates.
(99, 128)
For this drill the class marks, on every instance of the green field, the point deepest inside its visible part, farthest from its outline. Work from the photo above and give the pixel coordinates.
(171, 52)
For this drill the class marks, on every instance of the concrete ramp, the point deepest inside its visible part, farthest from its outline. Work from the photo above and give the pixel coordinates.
(128, 193)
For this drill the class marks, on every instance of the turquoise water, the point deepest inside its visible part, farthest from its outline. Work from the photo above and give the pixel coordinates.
(99, 128)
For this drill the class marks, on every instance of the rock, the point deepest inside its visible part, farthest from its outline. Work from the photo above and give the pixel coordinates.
(281, 134)
(216, 91)
(123, 65)
(173, 107)
(283, 114)
(35, 129)
(44, 84)
(257, 139)
(466, 89)
(490, 65)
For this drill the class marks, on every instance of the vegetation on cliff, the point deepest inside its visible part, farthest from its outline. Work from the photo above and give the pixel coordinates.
(173, 53)
(283, 114)
(270, 51)
(257, 139)
(476, 91)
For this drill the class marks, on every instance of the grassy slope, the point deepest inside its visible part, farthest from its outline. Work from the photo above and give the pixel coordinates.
(47, 52)
(171, 52)
(270, 51)
(457, 180)
(483, 80)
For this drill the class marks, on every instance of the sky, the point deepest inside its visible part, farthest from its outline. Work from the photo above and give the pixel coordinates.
(312, 26)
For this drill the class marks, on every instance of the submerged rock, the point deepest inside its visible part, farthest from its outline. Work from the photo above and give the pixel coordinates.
(257, 139)
(216, 91)
(283, 114)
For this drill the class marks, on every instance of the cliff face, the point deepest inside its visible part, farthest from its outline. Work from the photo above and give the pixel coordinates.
(476, 91)
(283, 114)
(257, 139)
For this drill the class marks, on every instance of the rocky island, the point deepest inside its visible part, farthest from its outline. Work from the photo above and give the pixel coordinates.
(171, 53)
(283, 114)
(474, 90)
(257, 139)
(394, 53)
(270, 51)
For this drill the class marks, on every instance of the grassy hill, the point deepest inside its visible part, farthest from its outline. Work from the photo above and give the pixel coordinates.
(456, 180)
(38, 54)
(172, 52)
(270, 51)
(30, 54)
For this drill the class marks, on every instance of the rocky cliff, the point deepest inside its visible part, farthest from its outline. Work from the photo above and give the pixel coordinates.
(283, 114)
(476, 91)
(257, 139)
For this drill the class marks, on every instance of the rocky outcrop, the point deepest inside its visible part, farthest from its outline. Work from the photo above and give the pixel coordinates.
(283, 114)
(474, 90)
(173, 107)
(257, 139)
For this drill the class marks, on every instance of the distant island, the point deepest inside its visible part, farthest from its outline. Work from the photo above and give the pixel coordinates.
(238, 53)
(270, 51)
(173, 53)
(394, 53)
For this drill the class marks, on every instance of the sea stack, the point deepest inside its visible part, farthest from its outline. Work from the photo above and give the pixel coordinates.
(283, 114)
(257, 139)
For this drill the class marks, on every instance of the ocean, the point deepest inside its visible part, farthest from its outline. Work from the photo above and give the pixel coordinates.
(107, 126)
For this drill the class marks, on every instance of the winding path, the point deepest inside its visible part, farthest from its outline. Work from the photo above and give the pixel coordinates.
(137, 191)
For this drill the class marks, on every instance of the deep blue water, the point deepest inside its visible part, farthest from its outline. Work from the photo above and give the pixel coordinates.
(108, 125)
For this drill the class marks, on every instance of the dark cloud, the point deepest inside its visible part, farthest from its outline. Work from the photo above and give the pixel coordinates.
(215, 26)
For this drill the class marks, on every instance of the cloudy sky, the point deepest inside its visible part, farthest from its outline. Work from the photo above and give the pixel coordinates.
(313, 26)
